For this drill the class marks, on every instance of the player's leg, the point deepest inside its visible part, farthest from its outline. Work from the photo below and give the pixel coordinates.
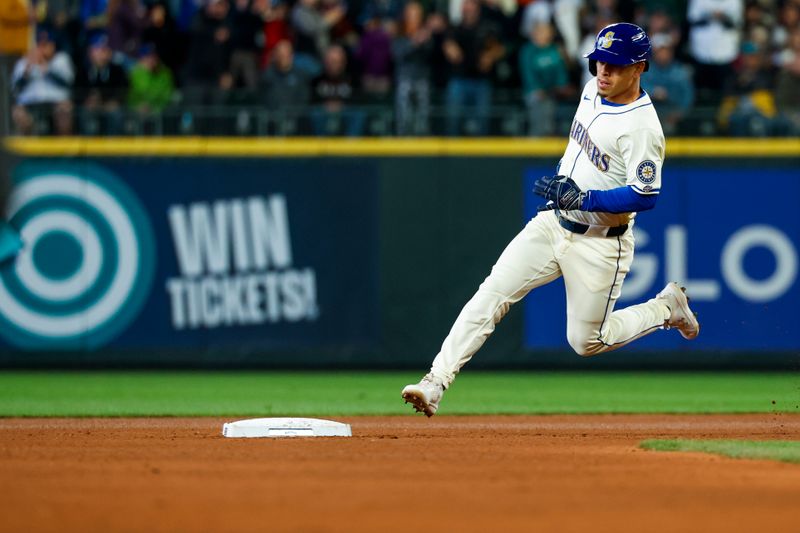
(527, 262)
(594, 269)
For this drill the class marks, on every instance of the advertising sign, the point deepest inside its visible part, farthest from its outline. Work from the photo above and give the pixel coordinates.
(736, 256)
(191, 253)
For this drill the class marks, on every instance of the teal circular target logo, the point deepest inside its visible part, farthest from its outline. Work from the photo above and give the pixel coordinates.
(87, 262)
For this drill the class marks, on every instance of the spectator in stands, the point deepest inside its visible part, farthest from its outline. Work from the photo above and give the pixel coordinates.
(374, 56)
(380, 10)
(500, 13)
(469, 60)
(748, 107)
(668, 82)
(312, 32)
(535, 12)
(567, 20)
(758, 14)
(343, 31)
(493, 14)
(334, 92)
(600, 9)
(674, 10)
(276, 28)
(61, 17)
(286, 87)
(152, 85)
(161, 31)
(207, 76)
(412, 51)
(93, 17)
(472, 49)
(789, 22)
(101, 88)
(759, 18)
(489, 10)
(714, 40)
(660, 22)
(185, 12)
(544, 79)
(787, 94)
(16, 29)
(563, 14)
(126, 22)
(247, 40)
(42, 81)
(440, 66)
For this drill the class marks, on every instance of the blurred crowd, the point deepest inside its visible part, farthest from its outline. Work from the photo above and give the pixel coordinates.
(85, 65)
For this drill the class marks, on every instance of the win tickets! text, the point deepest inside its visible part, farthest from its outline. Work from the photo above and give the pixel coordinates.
(236, 265)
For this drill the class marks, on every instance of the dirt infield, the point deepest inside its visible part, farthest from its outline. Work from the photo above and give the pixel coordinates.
(548, 473)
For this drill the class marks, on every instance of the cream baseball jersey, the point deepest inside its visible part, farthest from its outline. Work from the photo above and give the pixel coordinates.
(612, 145)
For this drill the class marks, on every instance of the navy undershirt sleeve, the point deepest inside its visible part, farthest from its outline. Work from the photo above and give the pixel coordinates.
(619, 200)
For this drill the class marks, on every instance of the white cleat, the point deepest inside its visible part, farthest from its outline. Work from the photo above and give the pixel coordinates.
(681, 317)
(425, 395)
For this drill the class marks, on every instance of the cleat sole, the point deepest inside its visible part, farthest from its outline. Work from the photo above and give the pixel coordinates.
(419, 404)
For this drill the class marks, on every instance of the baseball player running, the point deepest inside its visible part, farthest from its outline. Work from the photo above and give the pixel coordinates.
(611, 170)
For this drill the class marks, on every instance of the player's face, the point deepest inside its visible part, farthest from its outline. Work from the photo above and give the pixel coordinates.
(619, 83)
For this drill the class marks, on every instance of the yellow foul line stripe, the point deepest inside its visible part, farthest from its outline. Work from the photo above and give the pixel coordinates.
(371, 147)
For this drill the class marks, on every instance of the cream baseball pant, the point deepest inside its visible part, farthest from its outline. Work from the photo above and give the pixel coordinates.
(593, 267)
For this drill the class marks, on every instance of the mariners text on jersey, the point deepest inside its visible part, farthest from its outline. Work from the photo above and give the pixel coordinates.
(612, 145)
(581, 136)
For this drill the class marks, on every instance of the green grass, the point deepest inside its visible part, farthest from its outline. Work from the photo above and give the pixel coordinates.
(378, 393)
(778, 450)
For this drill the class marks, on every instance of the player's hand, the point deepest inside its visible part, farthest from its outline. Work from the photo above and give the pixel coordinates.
(562, 191)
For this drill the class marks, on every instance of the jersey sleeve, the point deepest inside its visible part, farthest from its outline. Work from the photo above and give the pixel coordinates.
(643, 153)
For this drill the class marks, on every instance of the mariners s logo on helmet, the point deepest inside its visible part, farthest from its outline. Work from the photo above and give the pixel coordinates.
(88, 259)
(605, 41)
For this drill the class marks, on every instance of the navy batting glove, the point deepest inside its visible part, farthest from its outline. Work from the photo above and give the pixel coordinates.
(562, 192)
(542, 186)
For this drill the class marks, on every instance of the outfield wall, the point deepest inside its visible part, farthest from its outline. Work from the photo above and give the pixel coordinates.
(333, 253)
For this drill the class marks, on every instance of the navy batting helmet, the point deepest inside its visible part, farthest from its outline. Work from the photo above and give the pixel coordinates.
(620, 44)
